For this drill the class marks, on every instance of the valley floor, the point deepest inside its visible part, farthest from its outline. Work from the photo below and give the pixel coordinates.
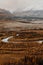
(24, 46)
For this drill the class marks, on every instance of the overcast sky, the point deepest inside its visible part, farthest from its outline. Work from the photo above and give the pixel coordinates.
(19, 5)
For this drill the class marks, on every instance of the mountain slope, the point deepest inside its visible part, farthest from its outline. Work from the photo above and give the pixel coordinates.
(5, 14)
(31, 13)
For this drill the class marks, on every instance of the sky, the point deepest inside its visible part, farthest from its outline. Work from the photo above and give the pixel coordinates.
(21, 5)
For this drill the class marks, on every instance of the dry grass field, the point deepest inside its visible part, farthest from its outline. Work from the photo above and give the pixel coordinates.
(25, 47)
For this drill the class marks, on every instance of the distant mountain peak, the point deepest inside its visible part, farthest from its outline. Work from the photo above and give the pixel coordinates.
(31, 13)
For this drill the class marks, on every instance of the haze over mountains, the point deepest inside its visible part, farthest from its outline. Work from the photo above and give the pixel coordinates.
(29, 13)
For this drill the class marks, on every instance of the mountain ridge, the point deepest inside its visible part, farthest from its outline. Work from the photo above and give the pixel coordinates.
(31, 13)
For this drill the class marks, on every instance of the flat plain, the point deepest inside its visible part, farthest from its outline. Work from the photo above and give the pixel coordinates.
(25, 43)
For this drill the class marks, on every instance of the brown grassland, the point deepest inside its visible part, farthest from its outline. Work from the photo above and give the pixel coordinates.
(23, 49)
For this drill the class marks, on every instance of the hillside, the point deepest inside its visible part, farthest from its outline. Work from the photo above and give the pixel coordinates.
(4, 14)
(31, 13)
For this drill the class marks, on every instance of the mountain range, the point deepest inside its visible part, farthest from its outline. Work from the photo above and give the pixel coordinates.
(31, 13)
(24, 14)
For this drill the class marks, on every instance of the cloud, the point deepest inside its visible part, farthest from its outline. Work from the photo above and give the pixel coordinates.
(20, 5)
